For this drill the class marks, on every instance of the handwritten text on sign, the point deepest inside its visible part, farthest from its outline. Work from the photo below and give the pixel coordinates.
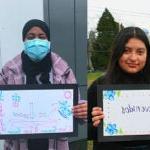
(36, 111)
(127, 112)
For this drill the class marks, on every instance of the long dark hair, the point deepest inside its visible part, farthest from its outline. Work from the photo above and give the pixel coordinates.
(114, 73)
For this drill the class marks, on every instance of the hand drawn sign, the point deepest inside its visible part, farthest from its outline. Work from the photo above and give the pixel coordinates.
(126, 109)
(38, 110)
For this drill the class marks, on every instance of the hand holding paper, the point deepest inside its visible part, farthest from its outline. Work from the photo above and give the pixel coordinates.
(97, 116)
(80, 110)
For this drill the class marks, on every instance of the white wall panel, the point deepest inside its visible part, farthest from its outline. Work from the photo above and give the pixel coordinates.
(13, 15)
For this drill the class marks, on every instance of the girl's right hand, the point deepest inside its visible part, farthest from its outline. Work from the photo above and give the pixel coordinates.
(97, 116)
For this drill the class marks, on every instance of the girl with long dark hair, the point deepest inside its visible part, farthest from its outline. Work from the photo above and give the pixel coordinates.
(129, 64)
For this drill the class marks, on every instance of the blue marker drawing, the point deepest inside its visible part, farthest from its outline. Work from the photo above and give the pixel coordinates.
(1, 96)
(64, 109)
(14, 130)
(16, 97)
(109, 95)
(111, 129)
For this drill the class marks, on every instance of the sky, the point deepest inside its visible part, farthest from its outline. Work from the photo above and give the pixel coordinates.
(127, 12)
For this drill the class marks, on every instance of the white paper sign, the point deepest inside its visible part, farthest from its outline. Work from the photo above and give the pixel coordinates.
(36, 111)
(127, 112)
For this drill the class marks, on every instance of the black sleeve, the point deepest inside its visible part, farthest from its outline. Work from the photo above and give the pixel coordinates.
(92, 101)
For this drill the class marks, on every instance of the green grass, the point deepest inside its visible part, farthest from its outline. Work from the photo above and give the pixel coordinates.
(90, 145)
(93, 76)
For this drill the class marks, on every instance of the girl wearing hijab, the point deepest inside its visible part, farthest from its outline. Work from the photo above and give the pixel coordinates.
(129, 64)
(38, 65)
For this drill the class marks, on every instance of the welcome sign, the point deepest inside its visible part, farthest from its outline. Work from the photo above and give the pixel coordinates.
(127, 112)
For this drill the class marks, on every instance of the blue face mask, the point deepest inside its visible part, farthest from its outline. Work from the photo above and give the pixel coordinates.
(37, 49)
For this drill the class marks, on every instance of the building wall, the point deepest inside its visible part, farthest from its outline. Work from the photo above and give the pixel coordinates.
(13, 15)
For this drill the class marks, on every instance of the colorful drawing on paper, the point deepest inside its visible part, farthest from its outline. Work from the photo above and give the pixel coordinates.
(36, 111)
(122, 109)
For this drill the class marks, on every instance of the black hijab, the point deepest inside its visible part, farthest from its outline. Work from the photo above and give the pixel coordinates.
(35, 23)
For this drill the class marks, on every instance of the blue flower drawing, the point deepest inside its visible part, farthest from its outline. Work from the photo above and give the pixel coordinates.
(64, 109)
(109, 95)
(111, 129)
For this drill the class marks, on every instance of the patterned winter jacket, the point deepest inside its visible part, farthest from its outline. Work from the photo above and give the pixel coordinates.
(12, 73)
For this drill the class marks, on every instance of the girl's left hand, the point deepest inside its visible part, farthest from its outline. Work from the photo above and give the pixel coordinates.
(80, 110)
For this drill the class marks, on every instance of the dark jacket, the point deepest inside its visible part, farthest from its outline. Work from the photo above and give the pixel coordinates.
(92, 131)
